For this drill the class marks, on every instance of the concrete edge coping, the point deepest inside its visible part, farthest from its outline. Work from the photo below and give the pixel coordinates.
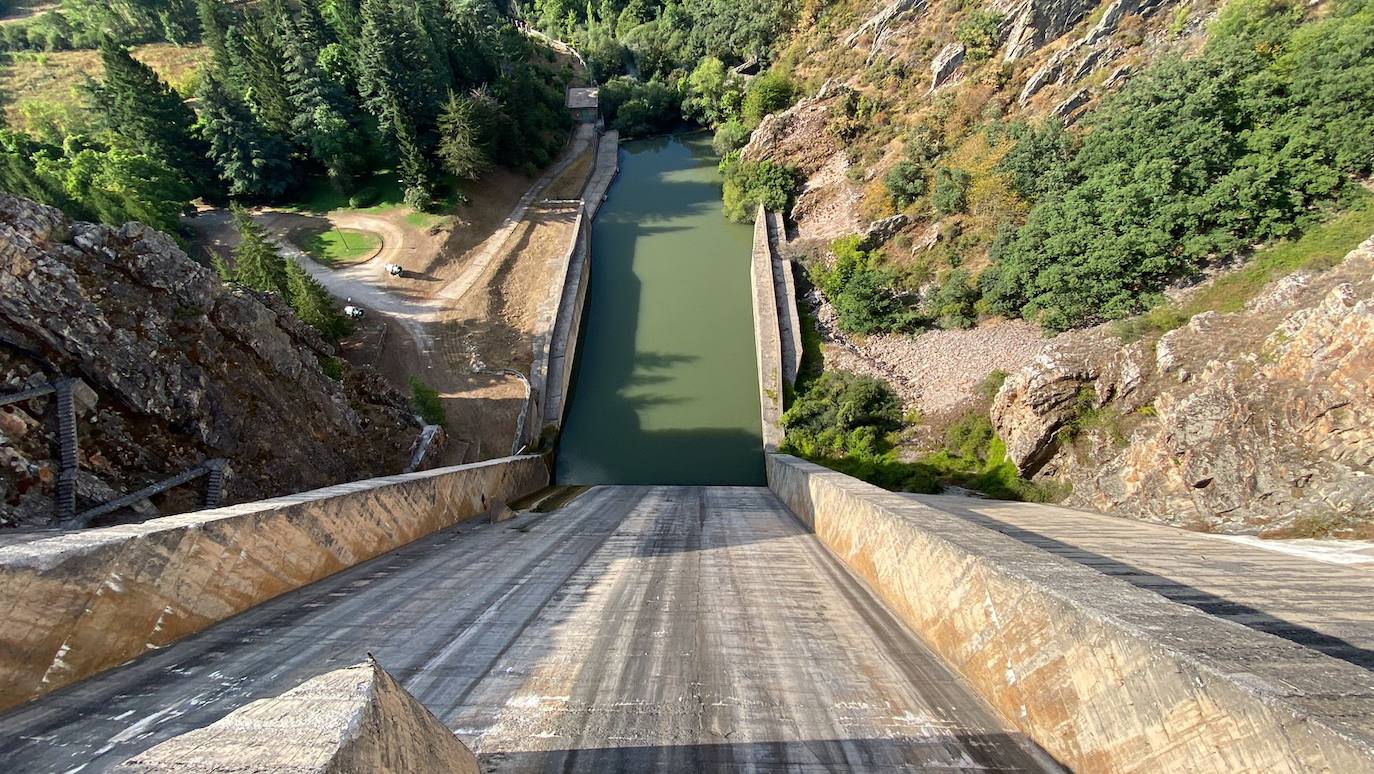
(1274, 671)
(46, 553)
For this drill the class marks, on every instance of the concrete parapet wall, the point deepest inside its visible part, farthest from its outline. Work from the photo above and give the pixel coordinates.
(1105, 676)
(556, 350)
(355, 720)
(81, 602)
(767, 341)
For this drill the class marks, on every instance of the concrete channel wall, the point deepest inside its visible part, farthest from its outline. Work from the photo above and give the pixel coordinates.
(1105, 676)
(785, 288)
(78, 603)
(556, 350)
(767, 333)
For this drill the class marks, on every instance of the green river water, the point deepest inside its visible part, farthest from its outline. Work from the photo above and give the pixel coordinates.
(665, 389)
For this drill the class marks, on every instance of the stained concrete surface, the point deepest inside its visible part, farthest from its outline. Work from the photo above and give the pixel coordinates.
(638, 628)
(1320, 605)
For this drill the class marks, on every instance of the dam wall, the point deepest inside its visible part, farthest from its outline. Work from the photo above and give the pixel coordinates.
(77, 603)
(1103, 675)
(767, 333)
(556, 349)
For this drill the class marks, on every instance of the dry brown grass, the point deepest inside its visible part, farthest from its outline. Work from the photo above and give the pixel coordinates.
(53, 76)
(569, 183)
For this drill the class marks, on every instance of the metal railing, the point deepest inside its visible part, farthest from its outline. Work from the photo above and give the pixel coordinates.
(64, 499)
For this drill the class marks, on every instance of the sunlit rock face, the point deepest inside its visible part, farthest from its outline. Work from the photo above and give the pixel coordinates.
(1251, 421)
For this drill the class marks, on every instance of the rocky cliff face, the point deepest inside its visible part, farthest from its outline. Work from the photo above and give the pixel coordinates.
(181, 369)
(1257, 421)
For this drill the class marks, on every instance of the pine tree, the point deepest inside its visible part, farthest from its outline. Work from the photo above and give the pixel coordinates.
(396, 76)
(313, 29)
(313, 304)
(263, 72)
(257, 264)
(250, 159)
(461, 151)
(345, 18)
(216, 19)
(148, 117)
(325, 117)
(414, 167)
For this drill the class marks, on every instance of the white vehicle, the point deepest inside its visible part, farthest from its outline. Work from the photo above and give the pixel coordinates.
(354, 312)
(394, 269)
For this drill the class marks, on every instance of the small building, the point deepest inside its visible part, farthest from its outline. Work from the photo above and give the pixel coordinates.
(585, 103)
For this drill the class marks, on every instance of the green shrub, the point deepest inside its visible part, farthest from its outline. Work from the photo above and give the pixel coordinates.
(364, 197)
(953, 303)
(863, 295)
(949, 192)
(766, 94)
(980, 34)
(748, 184)
(730, 137)
(841, 414)
(905, 182)
(332, 367)
(426, 402)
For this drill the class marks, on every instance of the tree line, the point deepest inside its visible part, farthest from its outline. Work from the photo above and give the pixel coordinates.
(436, 89)
(1194, 160)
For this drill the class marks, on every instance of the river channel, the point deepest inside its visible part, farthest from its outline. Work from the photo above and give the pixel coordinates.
(665, 389)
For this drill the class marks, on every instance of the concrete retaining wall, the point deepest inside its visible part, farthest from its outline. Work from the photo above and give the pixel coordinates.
(355, 720)
(556, 352)
(785, 288)
(767, 341)
(1105, 676)
(81, 602)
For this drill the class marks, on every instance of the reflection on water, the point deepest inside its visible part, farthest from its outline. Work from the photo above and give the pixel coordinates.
(665, 390)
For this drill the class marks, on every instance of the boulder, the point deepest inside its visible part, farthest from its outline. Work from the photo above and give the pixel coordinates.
(1253, 421)
(1034, 23)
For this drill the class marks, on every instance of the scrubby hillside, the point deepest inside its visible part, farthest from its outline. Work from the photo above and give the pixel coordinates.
(976, 179)
(182, 368)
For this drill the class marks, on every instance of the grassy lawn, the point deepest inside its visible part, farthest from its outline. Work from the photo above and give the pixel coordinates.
(51, 77)
(342, 246)
(382, 191)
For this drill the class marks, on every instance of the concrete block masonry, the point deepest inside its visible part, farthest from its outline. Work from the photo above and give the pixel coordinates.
(82, 602)
(355, 720)
(1105, 676)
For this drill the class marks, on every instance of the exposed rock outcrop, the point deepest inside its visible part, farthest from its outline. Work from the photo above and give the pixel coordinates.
(356, 720)
(945, 63)
(1033, 23)
(826, 207)
(1244, 422)
(185, 369)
